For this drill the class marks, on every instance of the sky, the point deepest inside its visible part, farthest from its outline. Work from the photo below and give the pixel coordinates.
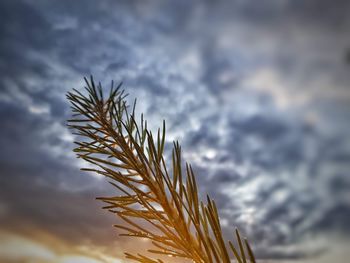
(257, 93)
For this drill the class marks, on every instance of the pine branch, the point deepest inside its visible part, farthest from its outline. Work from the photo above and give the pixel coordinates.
(164, 199)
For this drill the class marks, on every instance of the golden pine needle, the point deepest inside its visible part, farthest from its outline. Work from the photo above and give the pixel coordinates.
(165, 200)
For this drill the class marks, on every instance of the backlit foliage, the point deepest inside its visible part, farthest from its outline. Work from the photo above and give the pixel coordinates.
(157, 199)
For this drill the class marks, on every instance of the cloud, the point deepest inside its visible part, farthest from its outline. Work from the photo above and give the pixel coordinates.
(46, 248)
(257, 94)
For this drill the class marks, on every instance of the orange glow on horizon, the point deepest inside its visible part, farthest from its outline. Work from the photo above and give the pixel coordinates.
(43, 247)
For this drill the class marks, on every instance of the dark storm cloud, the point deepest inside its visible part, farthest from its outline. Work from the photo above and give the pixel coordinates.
(241, 84)
(22, 30)
(39, 181)
(271, 142)
(331, 14)
(41, 187)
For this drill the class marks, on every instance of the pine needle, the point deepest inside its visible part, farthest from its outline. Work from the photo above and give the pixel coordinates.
(164, 199)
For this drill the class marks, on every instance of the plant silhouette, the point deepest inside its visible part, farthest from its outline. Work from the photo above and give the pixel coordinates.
(157, 199)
